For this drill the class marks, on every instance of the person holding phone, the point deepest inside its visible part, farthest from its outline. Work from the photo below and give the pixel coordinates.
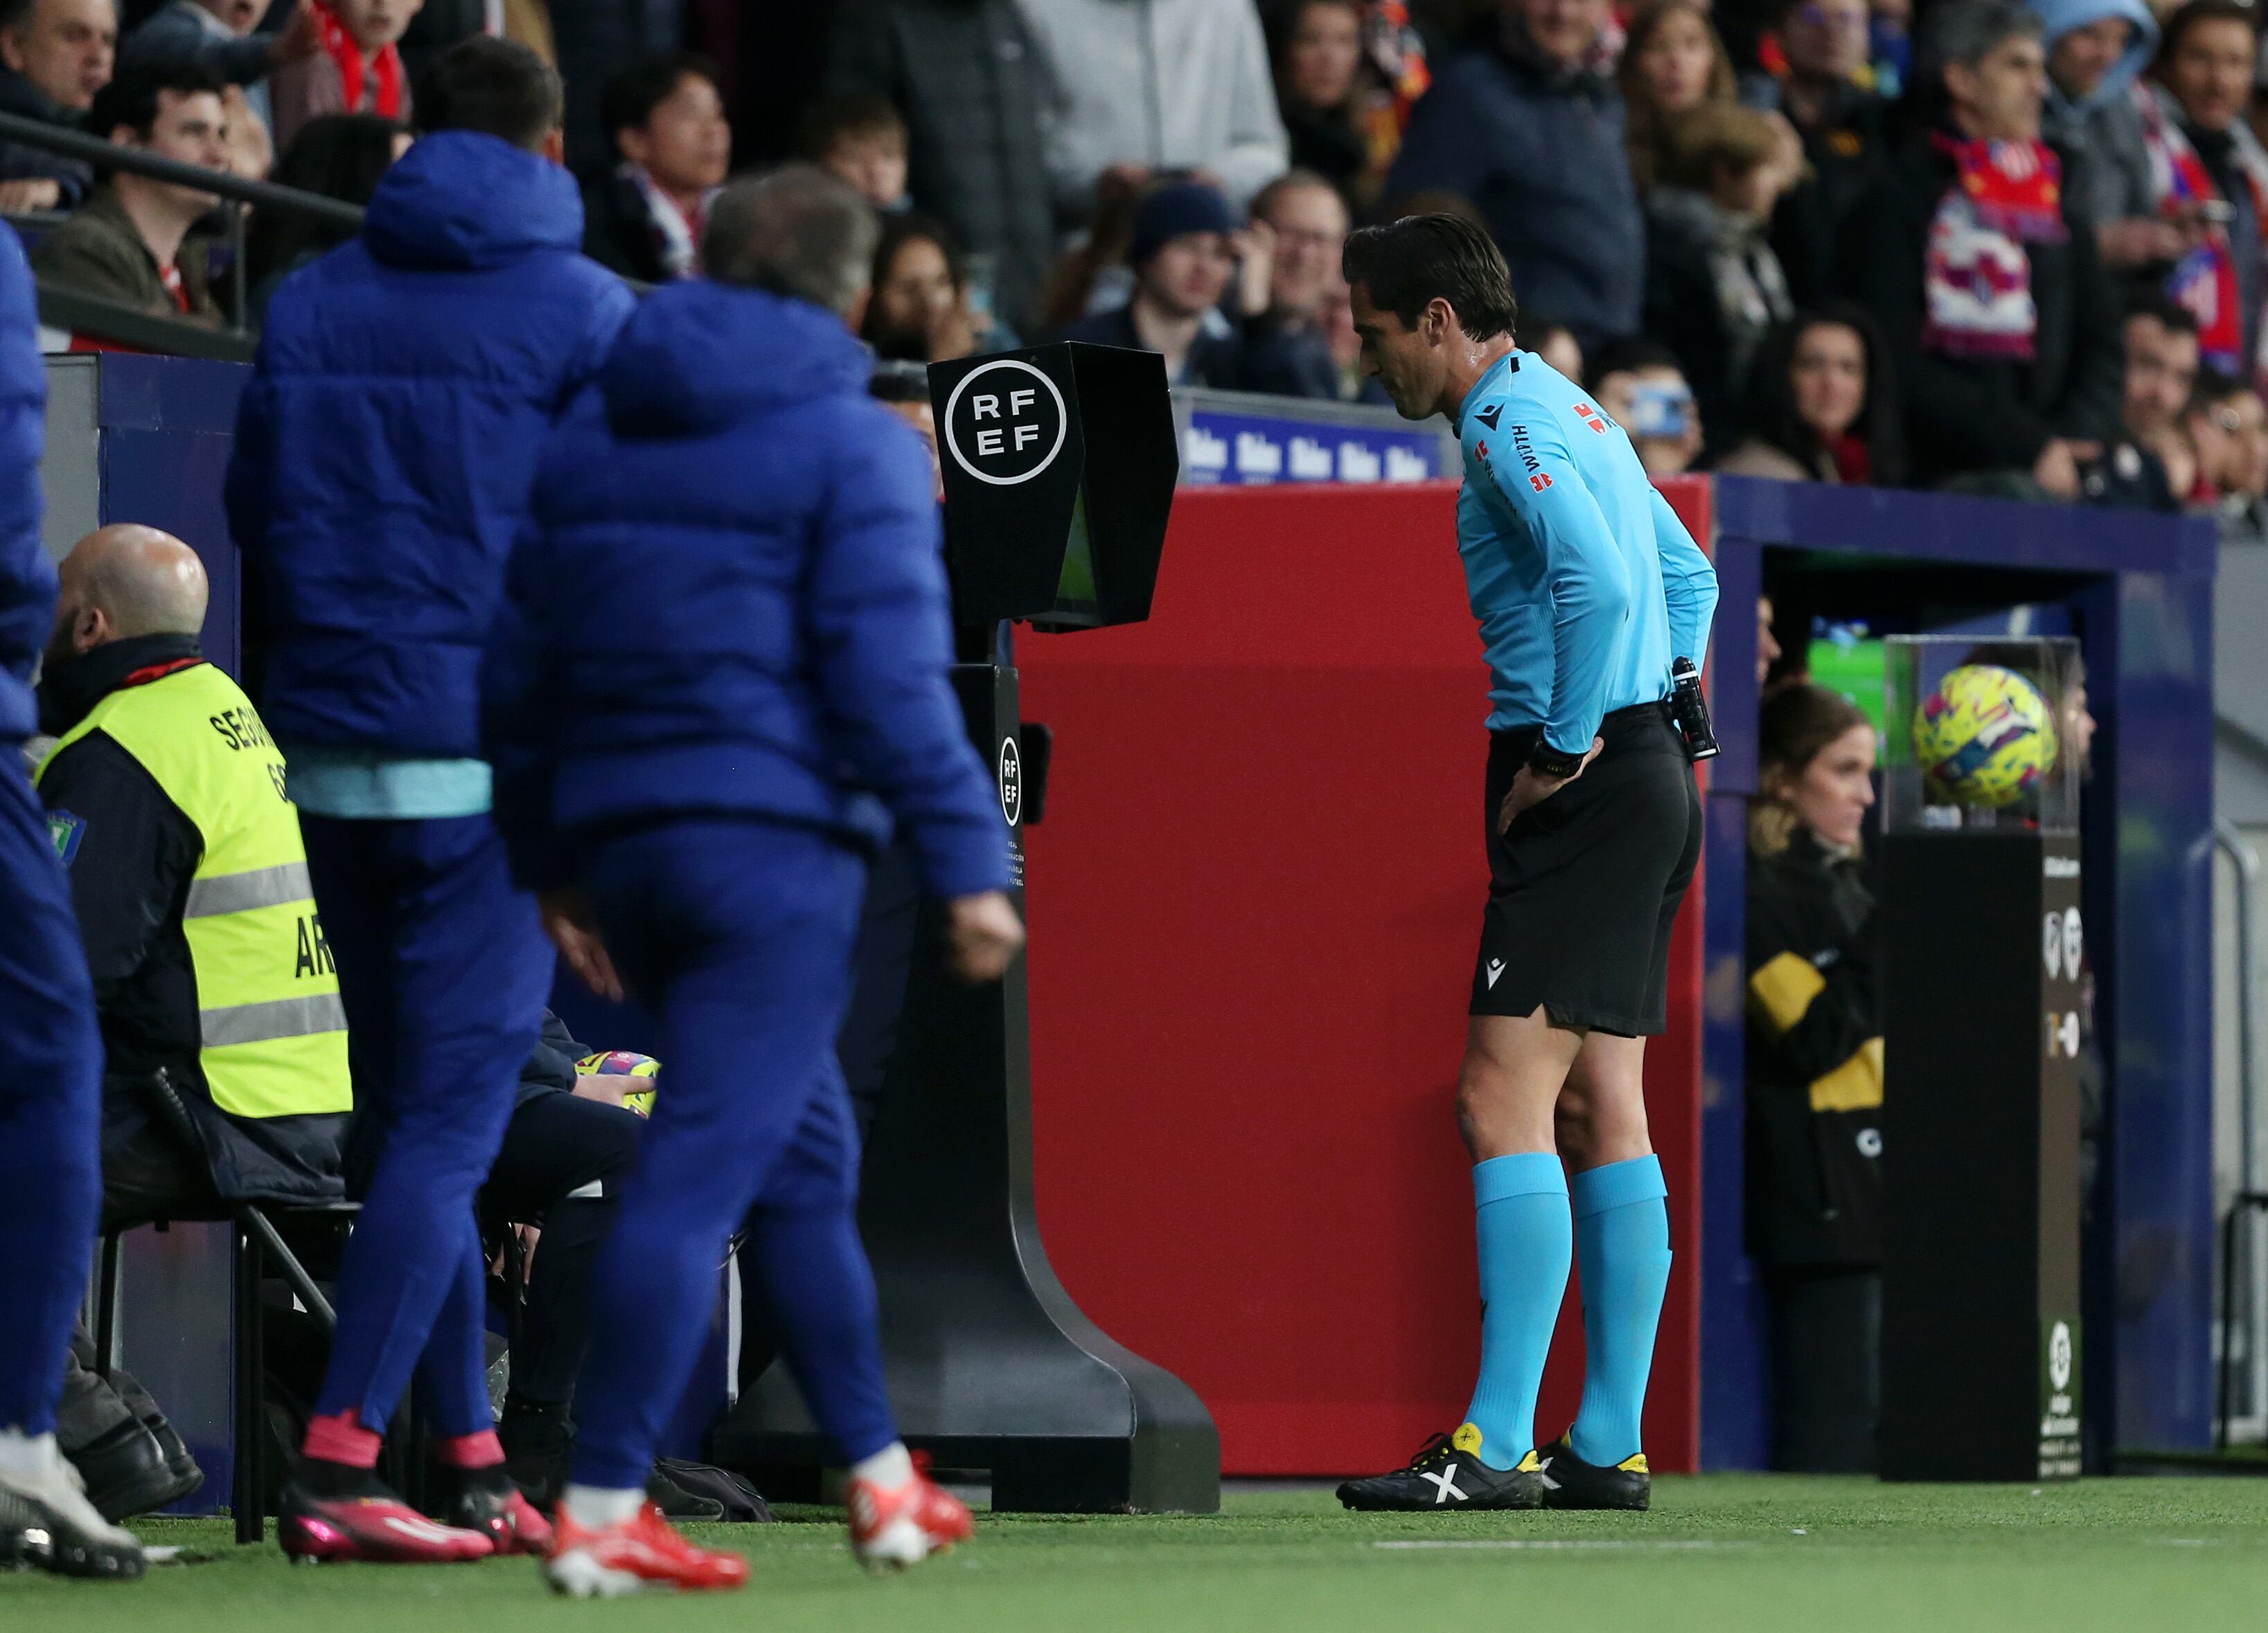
(1643, 390)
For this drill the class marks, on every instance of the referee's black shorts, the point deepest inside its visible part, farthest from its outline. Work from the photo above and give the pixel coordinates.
(1585, 886)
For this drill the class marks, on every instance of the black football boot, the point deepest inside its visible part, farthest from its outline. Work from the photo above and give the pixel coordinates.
(1445, 1477)
(1571, 1482)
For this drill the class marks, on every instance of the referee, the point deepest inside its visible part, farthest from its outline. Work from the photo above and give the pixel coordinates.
(1586, 588)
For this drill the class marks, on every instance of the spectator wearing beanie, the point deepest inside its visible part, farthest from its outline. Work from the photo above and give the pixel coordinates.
(669, 128)
(356, 68)
(2004, 325)
(963, 76)
(2096, 51)
(1180, 259)
(1167, 85)
(1529, 128)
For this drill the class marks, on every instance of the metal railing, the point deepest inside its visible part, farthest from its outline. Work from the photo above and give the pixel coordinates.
(234, 191)
(76, 313)
(65, 308)
(138, 161)
(2244, 1229)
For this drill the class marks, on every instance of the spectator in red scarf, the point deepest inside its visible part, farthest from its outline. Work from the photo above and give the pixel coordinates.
(2206, 163)
(1824, 406)
(2005, 324)
(357, 70)
(675, 145)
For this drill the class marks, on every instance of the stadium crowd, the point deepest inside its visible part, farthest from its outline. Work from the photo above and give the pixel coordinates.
(2016, 249)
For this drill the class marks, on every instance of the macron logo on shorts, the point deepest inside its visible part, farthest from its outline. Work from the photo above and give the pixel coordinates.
(1494, 970)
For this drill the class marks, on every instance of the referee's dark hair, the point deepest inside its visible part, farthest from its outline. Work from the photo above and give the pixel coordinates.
(1419, 259)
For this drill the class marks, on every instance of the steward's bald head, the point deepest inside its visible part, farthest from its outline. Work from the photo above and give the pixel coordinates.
(126, 580)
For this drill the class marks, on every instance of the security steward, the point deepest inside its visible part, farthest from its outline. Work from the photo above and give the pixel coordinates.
(165, 801)
(1814, 1079)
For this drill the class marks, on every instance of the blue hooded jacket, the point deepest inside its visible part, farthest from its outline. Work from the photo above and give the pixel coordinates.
(731, 600)
(383, 448)
(27, 578)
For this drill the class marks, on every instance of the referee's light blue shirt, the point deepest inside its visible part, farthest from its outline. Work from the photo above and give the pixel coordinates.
(1584, 582)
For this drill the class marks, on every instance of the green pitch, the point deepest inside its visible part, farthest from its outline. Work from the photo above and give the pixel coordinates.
(1726, 1552)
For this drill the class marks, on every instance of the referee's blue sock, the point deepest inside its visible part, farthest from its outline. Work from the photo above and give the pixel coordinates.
(1526, 1240)
(1622, 1223)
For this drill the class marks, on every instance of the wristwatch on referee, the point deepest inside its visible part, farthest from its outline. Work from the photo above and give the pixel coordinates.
(1546, 760)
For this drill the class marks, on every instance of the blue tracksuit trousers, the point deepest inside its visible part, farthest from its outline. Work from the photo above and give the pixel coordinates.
(444, 968)
(50, 1110)
(739, 934)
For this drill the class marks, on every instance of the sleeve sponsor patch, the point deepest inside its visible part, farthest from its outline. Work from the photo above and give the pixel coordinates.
(65, 832)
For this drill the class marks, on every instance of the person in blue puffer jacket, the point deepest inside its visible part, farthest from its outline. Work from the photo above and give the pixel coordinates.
(384, 452)
(51, 1093)
(698, 804)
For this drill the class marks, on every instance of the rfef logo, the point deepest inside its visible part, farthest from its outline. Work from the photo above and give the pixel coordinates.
(1011, 782)
(1005, 422)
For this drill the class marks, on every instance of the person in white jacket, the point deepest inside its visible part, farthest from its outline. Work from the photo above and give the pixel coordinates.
(1154, 85)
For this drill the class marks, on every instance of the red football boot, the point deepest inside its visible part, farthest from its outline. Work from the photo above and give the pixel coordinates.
(625, 1558)
(500, 1512)
(377, 1527)
(891, 1530)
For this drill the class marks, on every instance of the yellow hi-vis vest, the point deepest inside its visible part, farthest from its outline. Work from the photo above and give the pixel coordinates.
(274, 1032)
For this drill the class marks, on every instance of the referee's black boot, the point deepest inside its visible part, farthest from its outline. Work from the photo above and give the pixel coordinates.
(1571, 1482)
(1446, 1475)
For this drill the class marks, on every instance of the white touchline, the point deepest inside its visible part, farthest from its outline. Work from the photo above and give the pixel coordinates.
(1559, 1543)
